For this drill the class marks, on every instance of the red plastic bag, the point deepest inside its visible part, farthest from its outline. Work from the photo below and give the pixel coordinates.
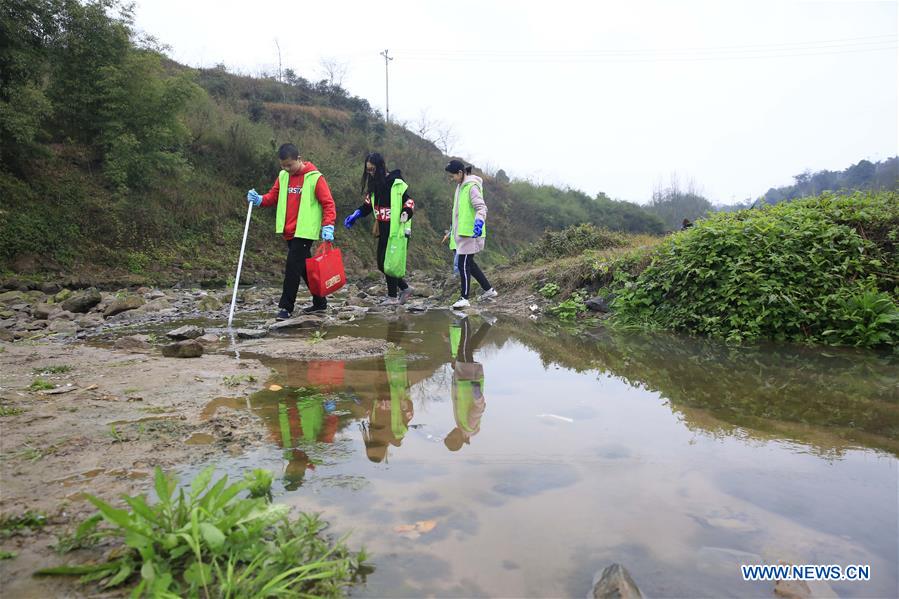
(326, 373)
(325, 270)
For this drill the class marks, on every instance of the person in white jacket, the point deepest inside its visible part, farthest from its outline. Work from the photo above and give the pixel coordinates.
(468, 234)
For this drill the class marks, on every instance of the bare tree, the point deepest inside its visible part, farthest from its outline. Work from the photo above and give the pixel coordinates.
(424, 124)
(445, 138)
(333, 71)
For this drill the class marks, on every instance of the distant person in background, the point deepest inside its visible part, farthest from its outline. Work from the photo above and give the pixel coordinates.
(305, 211)
(387, 195)
(469, 402)
(468, 230)
(686, 224)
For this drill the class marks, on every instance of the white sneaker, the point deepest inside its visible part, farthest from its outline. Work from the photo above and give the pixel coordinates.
(462, 303)
(490, 293)
(405, 294)
(390, 301)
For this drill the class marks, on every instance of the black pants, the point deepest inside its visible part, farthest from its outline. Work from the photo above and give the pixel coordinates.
(469, 342)
(297, 251)
(393, 283)
(467, 269)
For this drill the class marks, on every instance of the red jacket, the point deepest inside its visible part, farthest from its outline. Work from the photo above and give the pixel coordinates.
(294, 187)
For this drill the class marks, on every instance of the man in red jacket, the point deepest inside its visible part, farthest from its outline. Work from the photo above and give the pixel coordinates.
(305, 211)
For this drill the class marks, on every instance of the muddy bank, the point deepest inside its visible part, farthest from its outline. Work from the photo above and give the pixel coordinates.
(78, 418)
(121, 415)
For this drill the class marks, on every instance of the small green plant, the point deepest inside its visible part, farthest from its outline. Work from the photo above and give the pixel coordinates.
(130, 391)
(317, 336)
(40, 385)
(114, 433)
(33, 454)
(236, 379)
(868, 319)
(13, 525)
(61, 369)
(259, 483)
(84, 536)
(549, 290)
(10, 411)
(205, 540)
(7, 555)
(569, 309)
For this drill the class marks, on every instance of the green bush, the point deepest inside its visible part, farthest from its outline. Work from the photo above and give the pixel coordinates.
(821, 269)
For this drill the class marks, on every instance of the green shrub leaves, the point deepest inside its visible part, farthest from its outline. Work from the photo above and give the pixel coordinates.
(821, 269)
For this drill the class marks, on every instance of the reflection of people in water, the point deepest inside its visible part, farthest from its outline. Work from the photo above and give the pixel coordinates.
(391, 412)
(308, 420)
(468, 383)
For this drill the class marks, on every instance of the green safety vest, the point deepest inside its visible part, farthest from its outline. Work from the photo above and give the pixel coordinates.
(311, 418)
(284, 425)
(464, 399)
(309, 219)
(395, 254)
(399, 384)
(397, 190)
(466, 214)
(455, 337)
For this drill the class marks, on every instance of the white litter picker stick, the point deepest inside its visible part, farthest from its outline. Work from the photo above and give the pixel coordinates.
(239, 264)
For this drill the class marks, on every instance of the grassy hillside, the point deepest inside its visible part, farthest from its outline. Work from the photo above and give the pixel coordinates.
(118, 165)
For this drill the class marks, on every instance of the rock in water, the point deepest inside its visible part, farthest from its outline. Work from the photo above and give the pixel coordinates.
(615, 582)
(300, 322)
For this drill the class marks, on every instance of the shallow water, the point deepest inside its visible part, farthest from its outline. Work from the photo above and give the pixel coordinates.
(527, 459)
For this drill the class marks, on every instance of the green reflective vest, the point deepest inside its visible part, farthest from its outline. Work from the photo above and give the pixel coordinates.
(466, 214)
(399, 385)
(455, 337)
(309, 219)
(463, 400)
(312, 416)
(397, 190)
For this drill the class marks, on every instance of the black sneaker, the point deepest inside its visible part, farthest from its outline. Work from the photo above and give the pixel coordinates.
(282, 314)
(313, 308)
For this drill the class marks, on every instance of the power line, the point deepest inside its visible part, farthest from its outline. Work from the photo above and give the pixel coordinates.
(740, 52)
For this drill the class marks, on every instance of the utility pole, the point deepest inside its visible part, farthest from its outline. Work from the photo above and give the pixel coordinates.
(387, 60)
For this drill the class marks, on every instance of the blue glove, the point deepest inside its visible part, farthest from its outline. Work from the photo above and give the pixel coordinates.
(328, 233)
(455, 263)
(330, 405)
(348, 221)
(254, 198)
(478, 227)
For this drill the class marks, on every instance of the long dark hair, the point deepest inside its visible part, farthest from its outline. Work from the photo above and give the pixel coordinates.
(376, 183)
(457, 166)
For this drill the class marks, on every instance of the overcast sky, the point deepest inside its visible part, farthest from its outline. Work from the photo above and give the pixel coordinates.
(600, 96)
